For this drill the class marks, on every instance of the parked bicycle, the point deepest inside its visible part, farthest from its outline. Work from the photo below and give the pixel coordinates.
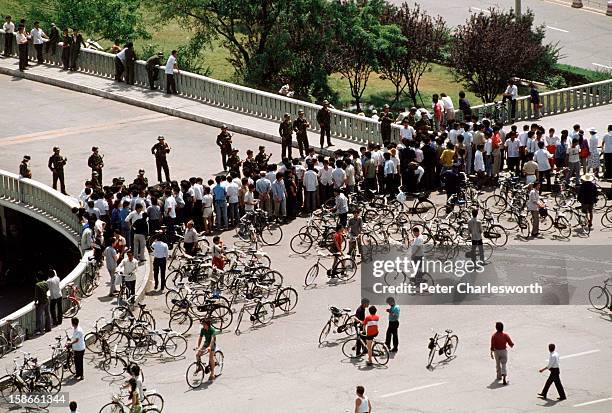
(72, 302)
(343, 269)
(12, 338)
(340, 321)
(445, 344)
(380, 352)
(600, 296)
(259, 311)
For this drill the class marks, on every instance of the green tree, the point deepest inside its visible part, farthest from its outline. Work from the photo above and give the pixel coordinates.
(99, 19)
(360, 39)
(492, 48)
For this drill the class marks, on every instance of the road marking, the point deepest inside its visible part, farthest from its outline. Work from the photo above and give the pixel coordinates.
(600, 65)
(479, 9)
(384, 396)
(557, 29)
(593, 402)
(584, 353)
(50, 134)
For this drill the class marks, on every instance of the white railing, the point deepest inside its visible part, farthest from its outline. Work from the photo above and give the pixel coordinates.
(344, 125)
(51, 207)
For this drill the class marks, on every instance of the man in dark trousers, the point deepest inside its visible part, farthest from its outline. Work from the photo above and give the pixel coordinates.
(66, 43)
(160, 150)
(96, 163)
(24, 168)
(9, 32)
(224, 142)
(553, 368)
(407, 155)
(285, 130)
(234, 162)
(75, 48)
(152, 67)
(300, 126)
(324, 121)
(171, 64)
(360, 314)
(386, 119)
(261, 159)
(22, 43)
(41, 302)
(56, 165)
(130, 63)
(54, 36)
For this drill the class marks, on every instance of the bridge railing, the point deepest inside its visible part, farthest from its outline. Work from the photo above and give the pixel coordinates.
(346, 126)
(38, 200)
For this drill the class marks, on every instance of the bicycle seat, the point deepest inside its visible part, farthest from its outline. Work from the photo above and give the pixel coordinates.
(167, 330)
(141, 305)
(347, 310)
(235, 271)
(448, 331)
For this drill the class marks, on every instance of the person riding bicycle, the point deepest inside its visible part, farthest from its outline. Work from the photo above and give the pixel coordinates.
(209, 333)
(417, 251)
(338, 241)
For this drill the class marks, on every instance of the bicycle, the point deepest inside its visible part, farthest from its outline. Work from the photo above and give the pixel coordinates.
(30, 381)
(340, 320)
(448, 348)
(221, 316)
(343, 269)
(380, 352)
(262, 312)
(500, 112)
(125, 317)
(166, 340)
(196, 370)
(118, 406)
(90, 279)
(600, 297)
(71, 303)
(13, 338)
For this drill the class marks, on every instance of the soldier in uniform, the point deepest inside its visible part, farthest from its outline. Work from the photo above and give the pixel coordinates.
(285, 131)
(386, 119)
(324, 121)
(130, 63)
(54, 36)
(141, 182)
(160, 150)
(66, 42)
(24, 168)
(233, 162)
(300, 126)
(249, 166)
(261, 159)
(224, 142)
(75, 48)
(152, 67)
(96, 182)
(56, 165)
(96, 163)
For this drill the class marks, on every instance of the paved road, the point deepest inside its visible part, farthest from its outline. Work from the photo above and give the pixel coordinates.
(281, 368)
(583, 35)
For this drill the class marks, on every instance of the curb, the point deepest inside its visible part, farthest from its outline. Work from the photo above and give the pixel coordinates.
(151, 106)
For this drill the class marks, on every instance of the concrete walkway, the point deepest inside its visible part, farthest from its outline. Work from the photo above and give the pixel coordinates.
(172, 105)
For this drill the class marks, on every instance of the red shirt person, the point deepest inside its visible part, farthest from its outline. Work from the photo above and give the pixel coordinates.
(499, 351)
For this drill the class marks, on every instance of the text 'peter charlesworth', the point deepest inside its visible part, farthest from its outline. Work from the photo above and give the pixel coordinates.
(461, 288)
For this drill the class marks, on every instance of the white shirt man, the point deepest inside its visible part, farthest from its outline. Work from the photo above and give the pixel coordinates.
(478, 162)
(232, 192)
(128, 268)
(389, 168)
(79, 337)
(339, 177)
(87, 239)
(53, 282)
(512, 90)
(198, 191)
(488, 146)
(133, 217)
(350, 174)
(325, 176)
(311, 180)
(341, 204)
(102, 206)
(607, 142)
(160, 249)
(552, 140)
(8, 27)
(407, 132)
(170, 65)
(121, 55)
(170, 207)
(523, 139)
(37, 34)
(447, 102)
(541, 157)
(512, 145)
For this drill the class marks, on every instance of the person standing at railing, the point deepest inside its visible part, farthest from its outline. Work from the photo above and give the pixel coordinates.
(55, 296)
(171, 64)
(22, 44)
(9, 32)
(120, 64)
(606, 145)
(24, 169)
(511, 93)
(152, 67)
(75, 48)
(285, 130)
(37, 35)
(66, 42)
(54, 35)
(130, 63)
(56, 165)
(324, 121)
(41, 302)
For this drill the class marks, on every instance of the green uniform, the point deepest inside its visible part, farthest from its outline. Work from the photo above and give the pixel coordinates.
(208, 334)
(153, 70)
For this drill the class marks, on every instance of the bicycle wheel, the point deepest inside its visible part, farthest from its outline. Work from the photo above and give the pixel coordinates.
(349, 348)
(154, 400)
(271, 234)
(222, 317)
(173, 295)
(140, 350)
(345, 269)
(395, 231)
(176, 346)
(9, 388)
(4, 346)
(148, 318)
(112, 407)
(114, 365)
(51, 381)
(324, 332)
(87, 283)
(606, 219)
(426, 279)
(18, 335)
(122, 315)
(287, 299)
(272, 278)
(524, 226)
(598, 297)
(71, 306)
(195, 375)
(119, 342)
(173, 277)
(497, 235)
(495, 204)
(451, 346)
(93, 342)
(564, 227)
(301, 243)
(265, 312)
(311, 275)
(508, 220)
(395, 278)
(380, 353)
(219, 361)
(546, 223)
(425, 210)
(180, 322)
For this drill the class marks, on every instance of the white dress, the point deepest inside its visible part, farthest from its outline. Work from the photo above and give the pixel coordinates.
(594, 152)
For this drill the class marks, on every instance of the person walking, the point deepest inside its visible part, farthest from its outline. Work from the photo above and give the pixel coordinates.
(128, 268)
(37, 35)
(394, 312)
(110, 258)
(55, 297)
(9, 32)
(56, 165)
(22, 44)
(475, 229)
(77, 344)
(41, 302)
(160, 259)
(96, 163)
(300, 126)
(553, 368)
(24, 168)
(161, 149)
(51, 44)
(171, 64)
(499, 352)
(587, 196)
(152, 67)
(285, 130)
(324, 121)
(362, 403)
(224, 142)
(533, 206)
(75, 48)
